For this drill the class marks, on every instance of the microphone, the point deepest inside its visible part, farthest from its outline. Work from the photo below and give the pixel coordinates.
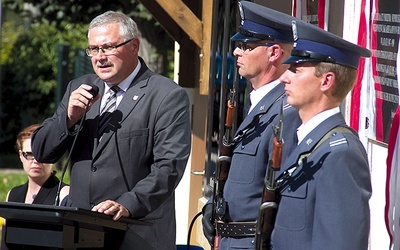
(94, 91)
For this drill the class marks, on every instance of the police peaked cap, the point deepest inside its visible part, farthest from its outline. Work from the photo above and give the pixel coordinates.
(261, 23)
(313, 44)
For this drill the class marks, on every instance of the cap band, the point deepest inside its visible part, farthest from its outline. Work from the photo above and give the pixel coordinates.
(325, 53)
(249, 33)
(253, 29)
(312, 55)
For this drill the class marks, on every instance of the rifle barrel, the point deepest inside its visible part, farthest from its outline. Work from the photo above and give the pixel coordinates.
(269, 205)
(223, 166)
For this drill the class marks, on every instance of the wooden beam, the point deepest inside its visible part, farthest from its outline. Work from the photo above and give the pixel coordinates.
(199, 31)
(185, 18)
(164, 19)
(205, 62)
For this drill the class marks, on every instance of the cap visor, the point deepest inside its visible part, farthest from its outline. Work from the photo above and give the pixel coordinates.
(239, 37)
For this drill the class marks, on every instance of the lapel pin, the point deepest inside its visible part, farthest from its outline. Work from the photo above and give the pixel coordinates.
(262, 107)
(309, 141)
(135, 97)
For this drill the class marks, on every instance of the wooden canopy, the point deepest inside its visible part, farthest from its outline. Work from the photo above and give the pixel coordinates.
(190, 24)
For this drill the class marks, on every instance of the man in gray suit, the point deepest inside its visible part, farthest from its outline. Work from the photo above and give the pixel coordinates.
(131, 152)
(326, 187)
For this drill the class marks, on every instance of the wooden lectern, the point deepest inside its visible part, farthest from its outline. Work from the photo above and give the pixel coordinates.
(56, 227)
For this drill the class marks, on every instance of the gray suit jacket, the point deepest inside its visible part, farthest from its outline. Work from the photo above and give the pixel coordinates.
(324, 204)
(139, 160)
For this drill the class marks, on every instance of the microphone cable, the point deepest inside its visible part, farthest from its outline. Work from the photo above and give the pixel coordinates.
(94, 91)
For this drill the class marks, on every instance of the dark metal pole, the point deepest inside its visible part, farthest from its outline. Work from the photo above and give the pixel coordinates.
(224, 69)
(211, 90)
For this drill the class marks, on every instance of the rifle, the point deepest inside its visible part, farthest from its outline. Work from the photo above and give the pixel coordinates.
(223, 166)
(269, 205)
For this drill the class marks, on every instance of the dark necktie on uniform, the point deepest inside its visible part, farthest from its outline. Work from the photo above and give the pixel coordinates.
(109, 107)
(295, 142)
(248, 105)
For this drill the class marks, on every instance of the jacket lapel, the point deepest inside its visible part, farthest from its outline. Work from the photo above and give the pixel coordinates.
(46, 190)
(309, 142)
(265, 104)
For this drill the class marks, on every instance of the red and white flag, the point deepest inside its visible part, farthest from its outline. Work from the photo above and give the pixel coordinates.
(361, 91)
(392, 208)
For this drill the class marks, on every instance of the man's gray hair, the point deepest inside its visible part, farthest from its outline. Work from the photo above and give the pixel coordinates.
(127, 27)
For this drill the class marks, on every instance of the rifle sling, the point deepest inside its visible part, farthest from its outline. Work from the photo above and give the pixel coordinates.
(307, 154)
(323, 139)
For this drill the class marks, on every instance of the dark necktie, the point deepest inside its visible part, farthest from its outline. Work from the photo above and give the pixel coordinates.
(248, 105)
(295, 142)
(111, 102)
(109, 107)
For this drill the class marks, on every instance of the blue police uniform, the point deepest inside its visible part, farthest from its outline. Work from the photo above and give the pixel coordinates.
(325, 192)
(244, 186)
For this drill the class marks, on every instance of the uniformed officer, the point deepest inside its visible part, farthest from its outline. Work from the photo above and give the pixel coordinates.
(264, 42)
(326, 188)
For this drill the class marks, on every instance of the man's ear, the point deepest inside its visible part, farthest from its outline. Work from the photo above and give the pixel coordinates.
(135, 44)
(276, 52)
(328, 81)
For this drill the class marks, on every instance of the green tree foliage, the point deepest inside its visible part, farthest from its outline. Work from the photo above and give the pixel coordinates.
(29, 69)
(82, 12)
(10, 33)
(72, 11)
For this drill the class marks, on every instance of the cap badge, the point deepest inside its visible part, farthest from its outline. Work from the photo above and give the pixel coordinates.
(294, 29)
(241, 12)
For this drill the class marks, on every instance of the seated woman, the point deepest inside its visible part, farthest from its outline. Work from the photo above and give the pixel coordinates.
(42, 184)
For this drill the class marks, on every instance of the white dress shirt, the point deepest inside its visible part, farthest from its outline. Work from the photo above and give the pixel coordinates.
(124, 85)
(257, 94)
(306, 128)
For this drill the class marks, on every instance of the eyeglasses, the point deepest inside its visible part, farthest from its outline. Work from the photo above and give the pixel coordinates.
(250, 46)
(106, 49)
(28, 156)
